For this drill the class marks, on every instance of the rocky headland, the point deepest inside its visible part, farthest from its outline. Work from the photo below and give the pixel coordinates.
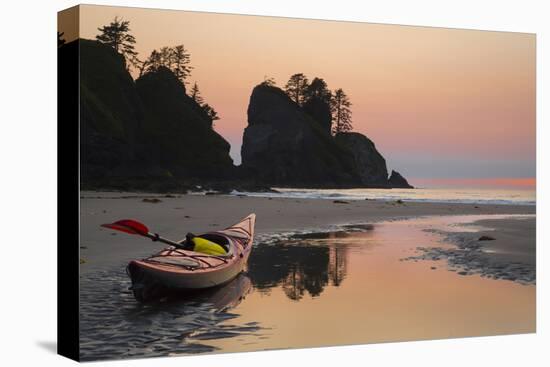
(148, 134)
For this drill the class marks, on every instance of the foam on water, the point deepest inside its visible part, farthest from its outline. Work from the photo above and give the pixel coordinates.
(465, 196)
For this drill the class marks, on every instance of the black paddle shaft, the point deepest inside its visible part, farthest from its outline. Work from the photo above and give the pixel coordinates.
(156, 237)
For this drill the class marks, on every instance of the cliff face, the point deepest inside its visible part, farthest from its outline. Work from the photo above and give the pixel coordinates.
(144, 129)
(110, 112)
(283, 145)
(178, 132)
(369, 163)
(320, 112)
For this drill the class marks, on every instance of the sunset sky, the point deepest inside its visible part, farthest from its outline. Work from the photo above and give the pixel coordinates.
(438, 103)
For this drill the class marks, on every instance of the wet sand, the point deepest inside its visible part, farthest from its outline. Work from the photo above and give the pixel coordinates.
(514, 240)
(321, 273)
(175, 215)
(498, 248)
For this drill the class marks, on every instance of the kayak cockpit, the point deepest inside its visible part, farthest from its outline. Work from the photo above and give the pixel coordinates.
(218, 240)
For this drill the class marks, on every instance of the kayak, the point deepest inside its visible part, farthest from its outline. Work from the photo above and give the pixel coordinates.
(178, 270)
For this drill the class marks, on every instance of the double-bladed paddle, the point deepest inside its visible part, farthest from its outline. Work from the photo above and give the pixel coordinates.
(134, 227)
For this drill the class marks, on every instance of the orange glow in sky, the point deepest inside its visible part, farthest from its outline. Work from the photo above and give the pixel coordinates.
(437, 102)
(510, 183)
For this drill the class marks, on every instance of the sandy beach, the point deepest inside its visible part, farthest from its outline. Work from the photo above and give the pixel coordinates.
(311, 257)
(175, 215)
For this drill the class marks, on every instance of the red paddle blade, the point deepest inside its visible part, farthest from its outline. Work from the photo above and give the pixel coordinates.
(128, 226)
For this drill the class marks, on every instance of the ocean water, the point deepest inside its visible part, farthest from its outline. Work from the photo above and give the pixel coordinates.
(454, 195)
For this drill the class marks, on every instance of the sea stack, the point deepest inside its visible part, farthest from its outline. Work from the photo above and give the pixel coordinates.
(283, 145)
(369, 163)
(399, 182)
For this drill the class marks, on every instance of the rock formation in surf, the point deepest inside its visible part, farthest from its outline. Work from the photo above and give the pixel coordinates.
(149, 134)
(369, 163)
(398, 181)
(283, 145)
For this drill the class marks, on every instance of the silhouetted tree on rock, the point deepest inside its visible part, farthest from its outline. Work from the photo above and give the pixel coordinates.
(196, 94)
(142, 67)
(176, 59)
(296, 88)
(117, 35)
(318, 89)
(268, 82)
(341, 112)
(317, 103)
(181, 59)
(210, 112)
(165, 57)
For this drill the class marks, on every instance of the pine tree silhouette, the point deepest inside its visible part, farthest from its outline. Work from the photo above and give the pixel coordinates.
(117, 35)
(341, 112)
(196, 94)
(296, 88)
(318, 89)
(212, 114)
(268, 81)
(176, 59)
(181, 61)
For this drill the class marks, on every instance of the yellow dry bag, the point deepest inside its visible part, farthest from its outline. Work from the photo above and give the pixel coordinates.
(207, 247)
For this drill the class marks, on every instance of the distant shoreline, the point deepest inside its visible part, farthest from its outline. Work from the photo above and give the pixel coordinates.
(447, 196)
(480, 196)
(275, 194)
(163, 186)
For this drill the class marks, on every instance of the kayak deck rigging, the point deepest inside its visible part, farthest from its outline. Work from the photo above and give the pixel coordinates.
(175, 253)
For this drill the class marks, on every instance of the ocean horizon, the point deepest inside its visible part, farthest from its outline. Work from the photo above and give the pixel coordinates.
(431, 195)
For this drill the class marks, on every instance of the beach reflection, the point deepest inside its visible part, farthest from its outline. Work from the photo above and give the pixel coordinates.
(345, 287)
(353, 287)
(304, 265)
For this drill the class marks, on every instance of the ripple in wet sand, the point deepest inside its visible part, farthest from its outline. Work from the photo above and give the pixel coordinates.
(113, 325)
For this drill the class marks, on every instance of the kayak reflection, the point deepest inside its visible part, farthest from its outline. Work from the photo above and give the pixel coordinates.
(219, 298)
(172, 325)
(304, 264)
